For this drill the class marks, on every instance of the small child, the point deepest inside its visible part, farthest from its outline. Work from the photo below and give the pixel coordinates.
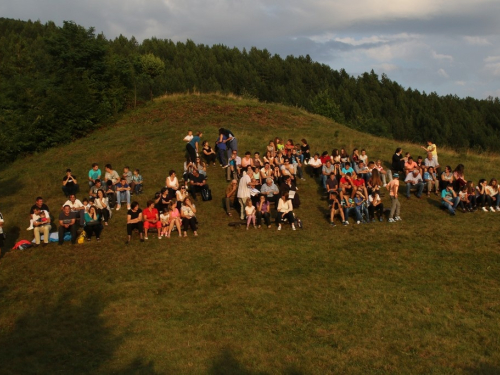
(86, 204)
(165, 221)
(189, 136)
(127, 174)
(271, 149)
(250, 212)
(136, 183)
(42, 219)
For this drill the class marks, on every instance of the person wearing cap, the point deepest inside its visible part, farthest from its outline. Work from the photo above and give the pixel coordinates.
(449, 199)
(69, 184)
(393, 188)
(414, 180)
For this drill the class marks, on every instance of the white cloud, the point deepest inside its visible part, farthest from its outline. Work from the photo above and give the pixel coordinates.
(439, 56)
(460, 83)
(443, 73)
(386, 67)
(492, 59)
(477, 40)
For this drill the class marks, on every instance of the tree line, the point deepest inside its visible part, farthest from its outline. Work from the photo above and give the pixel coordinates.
(60, 83)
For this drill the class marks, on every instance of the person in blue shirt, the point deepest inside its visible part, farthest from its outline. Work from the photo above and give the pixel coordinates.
(94, 174)
(192, 146)
(449, 199)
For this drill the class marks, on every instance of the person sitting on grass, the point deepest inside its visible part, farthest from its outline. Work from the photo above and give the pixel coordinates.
(375, 205)
(165, 222)
(431, 180)
(41, 223)
(209, 154)
(414, 180)
(492, 195)
(175, 218)
(326, 171)
(38, 204)
(67, 223)
(188, 212)
(92, 224)
(360, 203)
(315, 166)
(69, 184)
(151, 219)
(374, 183)
(449, 199)
(336, 209)
(77, 208)
(250, 213)
(127, 174)
(197, 183)
(285, 210)
(93, 190)
(94, 174)
(332, 185)
(471, 195)
(263, 211)
(122, 193)
(137, 182)
(134, 221)
(349, 208)
(102, 206)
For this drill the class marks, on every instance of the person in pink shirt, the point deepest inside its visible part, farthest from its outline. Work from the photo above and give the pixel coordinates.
(393, 188)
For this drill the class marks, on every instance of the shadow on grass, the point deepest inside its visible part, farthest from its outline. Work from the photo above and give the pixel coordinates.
(226, 364)
(483, 369)
(65, 337)
(12, 235)
(10, 186)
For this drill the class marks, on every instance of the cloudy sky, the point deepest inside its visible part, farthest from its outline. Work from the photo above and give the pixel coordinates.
(446, 46)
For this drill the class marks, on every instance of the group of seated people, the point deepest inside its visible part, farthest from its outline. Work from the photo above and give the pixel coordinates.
(72, 215)
(175, 216)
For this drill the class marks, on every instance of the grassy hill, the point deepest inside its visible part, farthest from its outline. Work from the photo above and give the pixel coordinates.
(419, 296)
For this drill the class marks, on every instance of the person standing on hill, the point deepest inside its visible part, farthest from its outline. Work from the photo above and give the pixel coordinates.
(393, 188)
(192, 146)
(398, 162)
(431, 147)
(231, 141)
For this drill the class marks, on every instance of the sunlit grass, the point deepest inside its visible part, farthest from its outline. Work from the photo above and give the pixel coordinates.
(420, 296)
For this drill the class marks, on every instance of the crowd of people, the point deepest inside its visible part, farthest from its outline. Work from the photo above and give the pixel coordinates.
(261, 189)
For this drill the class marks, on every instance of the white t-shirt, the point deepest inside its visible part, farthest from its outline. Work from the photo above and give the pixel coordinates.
(188, 138)
(74, 206)
(371, 199)
(315, 163)
(249, 210)
(243, 190)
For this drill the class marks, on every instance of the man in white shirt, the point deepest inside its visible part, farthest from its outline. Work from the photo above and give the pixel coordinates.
(77, 207)
(414, 180)
(243, 193)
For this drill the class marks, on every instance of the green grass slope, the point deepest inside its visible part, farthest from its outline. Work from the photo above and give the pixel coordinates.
(419, 296)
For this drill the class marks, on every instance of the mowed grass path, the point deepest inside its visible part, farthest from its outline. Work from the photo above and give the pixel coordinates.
(419, 296)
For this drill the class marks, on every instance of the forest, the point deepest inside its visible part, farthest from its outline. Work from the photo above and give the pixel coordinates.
(58, 83)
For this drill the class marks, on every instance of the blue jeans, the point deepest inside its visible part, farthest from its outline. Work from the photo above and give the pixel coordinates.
(323, 180)
(451, 208)
(348, 211)
(121, 196)
(419, 186)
